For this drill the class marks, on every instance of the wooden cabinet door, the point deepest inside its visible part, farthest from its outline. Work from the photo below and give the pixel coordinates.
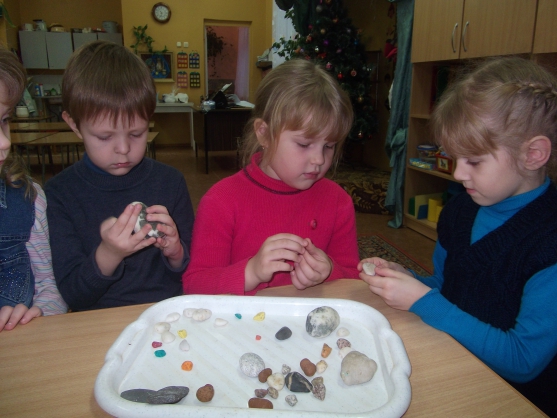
(545, 38)
(497, 27)
(437, 29)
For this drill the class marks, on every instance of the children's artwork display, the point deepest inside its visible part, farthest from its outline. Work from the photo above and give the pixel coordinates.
(160, 64)
(182, 79)
(194, 60)
(182, 60)
(195, 79)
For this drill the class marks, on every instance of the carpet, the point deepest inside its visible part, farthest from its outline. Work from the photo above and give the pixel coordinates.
(378, 246)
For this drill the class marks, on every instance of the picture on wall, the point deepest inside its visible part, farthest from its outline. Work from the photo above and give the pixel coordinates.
(160, 64)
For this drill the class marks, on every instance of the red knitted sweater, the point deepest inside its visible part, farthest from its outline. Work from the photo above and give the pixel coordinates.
(240, 212)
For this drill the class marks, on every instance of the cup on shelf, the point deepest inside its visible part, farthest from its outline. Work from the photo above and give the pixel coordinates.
(27, 26)
(22, 112)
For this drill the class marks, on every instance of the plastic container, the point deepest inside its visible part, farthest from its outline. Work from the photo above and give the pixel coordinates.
(427, 152)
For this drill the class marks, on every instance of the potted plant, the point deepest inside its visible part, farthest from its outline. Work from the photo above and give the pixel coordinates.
(4, 13)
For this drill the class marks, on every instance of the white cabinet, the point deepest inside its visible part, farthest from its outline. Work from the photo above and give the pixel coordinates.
(80, 39)
(59, 48)
(33, 49)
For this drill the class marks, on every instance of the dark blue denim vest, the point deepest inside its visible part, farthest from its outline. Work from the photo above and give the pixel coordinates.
(17, 216)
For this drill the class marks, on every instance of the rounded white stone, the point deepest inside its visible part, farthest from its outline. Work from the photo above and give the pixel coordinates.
(343, 332)
(321, 366)
(251, 364)
(172, 317)
(167, 337)
(161, 327)
(276, 380)
(201, 314)
(357, 368)
(184, 345)
(188, 312)
(219, 322)
(369, 269)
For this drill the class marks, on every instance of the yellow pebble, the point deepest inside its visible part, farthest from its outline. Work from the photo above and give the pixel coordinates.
(259, 317)
(182, 333)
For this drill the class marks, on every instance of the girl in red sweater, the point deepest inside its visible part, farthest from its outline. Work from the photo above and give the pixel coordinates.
(279, 221)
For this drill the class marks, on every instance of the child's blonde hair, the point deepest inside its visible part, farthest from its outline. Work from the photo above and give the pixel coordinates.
(502, 103)
(13, 76)
(104, 79)
(299, 95)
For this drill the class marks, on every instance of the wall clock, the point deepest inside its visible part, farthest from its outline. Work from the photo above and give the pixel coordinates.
(161, 12)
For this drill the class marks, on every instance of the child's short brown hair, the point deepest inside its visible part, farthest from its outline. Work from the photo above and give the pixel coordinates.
(105, 79)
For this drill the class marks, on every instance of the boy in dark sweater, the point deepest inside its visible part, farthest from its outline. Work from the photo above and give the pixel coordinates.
(108, 97)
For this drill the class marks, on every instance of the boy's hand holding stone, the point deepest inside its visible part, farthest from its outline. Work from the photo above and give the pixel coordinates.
(169, 244)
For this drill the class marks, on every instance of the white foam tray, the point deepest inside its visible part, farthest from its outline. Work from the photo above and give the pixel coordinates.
(215, 352)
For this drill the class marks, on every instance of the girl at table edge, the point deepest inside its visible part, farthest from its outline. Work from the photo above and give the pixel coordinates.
(279, 221)
(27, 285)
(494, 285)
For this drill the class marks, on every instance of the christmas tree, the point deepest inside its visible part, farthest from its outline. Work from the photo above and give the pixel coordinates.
(327, 36)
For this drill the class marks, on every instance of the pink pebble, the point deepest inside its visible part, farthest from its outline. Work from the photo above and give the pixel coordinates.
(258, 337)
(156, 344)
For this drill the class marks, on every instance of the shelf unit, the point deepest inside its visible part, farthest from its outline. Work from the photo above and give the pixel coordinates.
(442, 29)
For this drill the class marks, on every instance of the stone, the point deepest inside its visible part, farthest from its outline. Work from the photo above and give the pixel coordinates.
(205, 393)
(322, 321)
(184, 345)
(291, 400)
(137, 395)
(283, 334)
(187, 366)
(369, 269)
(201, 315)
(341, 343)
(261, 393)
(273, 393)
(264, 374)
(276, 380)
(342, 332)
(285, 369)
(161, 327)
(182, 333)
(251, 364)
(172, 317)
(156, 344)
(357, 368)
(259, 317)
(325, 351)
(160, 353)
(344, 351)
(167, 337)
(188, 312)
(321, 366)
(308, 367)
(142, 221)
(260, 403)
(168, 395)
(219, 322)
(295, 382)
(237, 315)
(319, 389)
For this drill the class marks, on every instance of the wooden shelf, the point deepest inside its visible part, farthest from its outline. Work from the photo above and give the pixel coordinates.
(432, 172)
(423, 226)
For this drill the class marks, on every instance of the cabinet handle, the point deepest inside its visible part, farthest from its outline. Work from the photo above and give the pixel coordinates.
(464, 37)
(452, 37)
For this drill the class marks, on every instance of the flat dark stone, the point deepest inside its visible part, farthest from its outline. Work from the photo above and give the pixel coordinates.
(138, 395)
(168, 395)
(297, 383)
(283, 334)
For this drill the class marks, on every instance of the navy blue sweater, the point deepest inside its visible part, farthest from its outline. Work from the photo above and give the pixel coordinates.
(79, 200)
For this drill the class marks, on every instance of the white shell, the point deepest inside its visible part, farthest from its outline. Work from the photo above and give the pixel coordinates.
(201, 314)
(184, 345)
(321, 366)
(188, 312)
(342, 332)
(167, 337)
(369, 269)
(276, 380)
(219, 322)
(173, 317)
(161, 327)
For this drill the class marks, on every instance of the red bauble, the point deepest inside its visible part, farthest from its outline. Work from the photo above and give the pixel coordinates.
(329, 66)
(339, 76)
(353, 72)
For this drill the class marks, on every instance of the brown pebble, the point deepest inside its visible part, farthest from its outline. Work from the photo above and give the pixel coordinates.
(325, 351)
(308, 367)
(205, 393)
(261, 393)
(342, 342)
(264, 374)
(260, 403)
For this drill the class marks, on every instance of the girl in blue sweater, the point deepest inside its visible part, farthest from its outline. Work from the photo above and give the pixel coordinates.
(494, 285)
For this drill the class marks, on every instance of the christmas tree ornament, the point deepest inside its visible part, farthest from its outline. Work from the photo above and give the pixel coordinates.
(353, 73)
(339, 51)
(348, 30)
(316, 49)
(297, 51)
(329, 66)
(328, 1)
(309, 38)
(318, 8)
(360, 99)
(323, 31)
(335, 20)
(326, 42)
(339, 76)
(360, 135)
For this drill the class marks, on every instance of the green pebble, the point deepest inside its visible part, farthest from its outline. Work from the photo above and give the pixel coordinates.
(160, 353)
(239, 316)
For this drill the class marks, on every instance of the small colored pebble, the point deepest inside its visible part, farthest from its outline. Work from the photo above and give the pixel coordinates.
(205, 393)
(259, 317)
(342, 342)
(321, 366)
(261, 393)
(283, 334)
(286, 369)
(156, 344)
(239, 316)
(273, 393)
(308, 367)
(219, 322)
(264, 374)
(325, 351)
(187, 366)
(260, 403)
(184, 345)
(258, 337)
(182, 333)
(343, 332)
(160, 353)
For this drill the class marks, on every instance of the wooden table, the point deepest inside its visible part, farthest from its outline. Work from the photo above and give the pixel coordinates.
(40, 127)
(49, 366)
